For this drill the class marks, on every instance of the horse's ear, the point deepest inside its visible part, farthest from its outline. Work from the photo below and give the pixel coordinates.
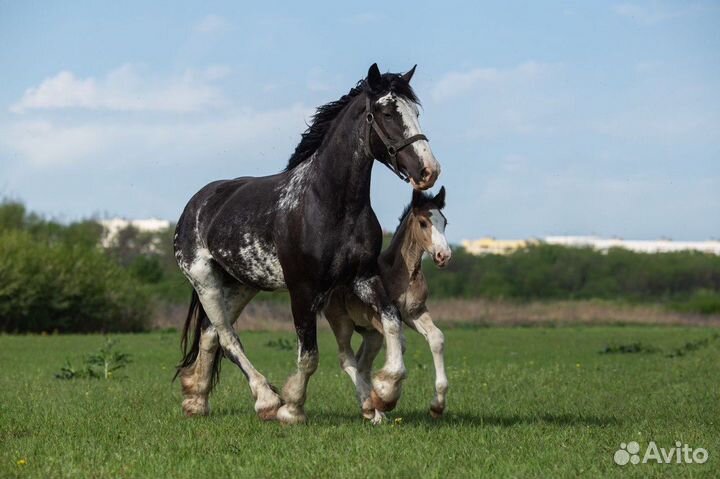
(374, 77)
(408, 76)
(439, 199)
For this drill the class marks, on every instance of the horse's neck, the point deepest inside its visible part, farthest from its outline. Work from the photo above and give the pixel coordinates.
(343, 167)
(404, 255)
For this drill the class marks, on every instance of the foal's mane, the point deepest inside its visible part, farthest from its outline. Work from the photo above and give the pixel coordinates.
(312, 138)
(419, 200)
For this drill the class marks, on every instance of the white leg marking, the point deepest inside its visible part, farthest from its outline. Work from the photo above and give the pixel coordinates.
(388, 381)
(295, 390)
(223, 306)
(196, 380)
(436, 341)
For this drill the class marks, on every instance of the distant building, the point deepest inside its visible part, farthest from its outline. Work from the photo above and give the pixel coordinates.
(639, 246)
(491, 245)
(113, 226)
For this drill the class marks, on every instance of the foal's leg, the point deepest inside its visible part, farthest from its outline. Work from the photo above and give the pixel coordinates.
(305, 318)
(343, 327)
(387, 383)
(223, 305)
(369, 349)
(423, 324)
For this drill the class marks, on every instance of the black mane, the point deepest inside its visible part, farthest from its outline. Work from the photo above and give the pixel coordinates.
(313, 137)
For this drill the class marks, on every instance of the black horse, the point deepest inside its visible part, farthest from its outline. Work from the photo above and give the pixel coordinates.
(309, 229)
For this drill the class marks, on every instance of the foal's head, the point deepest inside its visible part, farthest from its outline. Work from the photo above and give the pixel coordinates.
(426, 225)
(394, 109)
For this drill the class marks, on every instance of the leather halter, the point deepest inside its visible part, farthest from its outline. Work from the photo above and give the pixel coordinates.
(392, 147)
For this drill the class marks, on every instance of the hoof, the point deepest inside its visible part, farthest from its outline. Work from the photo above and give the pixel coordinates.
(291, 416)
(436, 411)
(378, 419)
(380, 404)
(267, 403)
(195, 406)
(268, 413)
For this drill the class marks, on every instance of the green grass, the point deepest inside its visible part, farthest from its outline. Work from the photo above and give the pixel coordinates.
(540, 402)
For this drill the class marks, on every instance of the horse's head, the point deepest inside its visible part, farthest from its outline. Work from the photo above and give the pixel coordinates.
(393, 130)
(427, 225)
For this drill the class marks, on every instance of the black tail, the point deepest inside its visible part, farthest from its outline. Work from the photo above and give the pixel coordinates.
(197, 320)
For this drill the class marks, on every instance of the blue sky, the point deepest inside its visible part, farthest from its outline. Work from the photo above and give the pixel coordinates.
(547, 117)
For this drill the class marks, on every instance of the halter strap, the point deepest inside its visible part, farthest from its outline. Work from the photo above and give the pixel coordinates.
(392, 147)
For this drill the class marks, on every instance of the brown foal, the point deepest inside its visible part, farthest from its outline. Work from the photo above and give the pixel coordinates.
(421, 230)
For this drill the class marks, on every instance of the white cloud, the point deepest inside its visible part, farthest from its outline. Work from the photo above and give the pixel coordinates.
(489, 103)
(125, 89)
(44, 143)
(454, 84)
(211, 24)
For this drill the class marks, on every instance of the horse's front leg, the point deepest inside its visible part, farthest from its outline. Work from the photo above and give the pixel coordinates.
(294, 392)
(423, 323)
(387, 383)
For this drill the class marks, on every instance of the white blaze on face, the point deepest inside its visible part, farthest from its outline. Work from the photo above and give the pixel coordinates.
(411, 126)
(439, 242)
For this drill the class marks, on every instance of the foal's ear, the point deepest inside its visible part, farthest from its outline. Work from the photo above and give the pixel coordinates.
(408, 76)
(374, 77)
(439, 199)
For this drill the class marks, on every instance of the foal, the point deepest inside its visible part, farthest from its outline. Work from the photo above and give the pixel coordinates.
(422, 229)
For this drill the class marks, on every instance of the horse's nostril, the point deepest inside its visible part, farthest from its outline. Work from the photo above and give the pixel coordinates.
(425, 174)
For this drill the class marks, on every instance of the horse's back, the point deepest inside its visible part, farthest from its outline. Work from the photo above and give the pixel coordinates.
(228, 220)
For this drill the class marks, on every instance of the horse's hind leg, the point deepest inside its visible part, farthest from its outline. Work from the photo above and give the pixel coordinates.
(223, 299)
(222, 310)
(197, 379)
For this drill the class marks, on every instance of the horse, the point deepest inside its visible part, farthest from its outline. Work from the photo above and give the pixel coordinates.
(421, 230)
(308, 230)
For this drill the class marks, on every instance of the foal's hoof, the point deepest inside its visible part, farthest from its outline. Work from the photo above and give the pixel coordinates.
(436, 411)
(287, 415)
(368, 413)
(194, 406)
(378, 418)
(380, 404)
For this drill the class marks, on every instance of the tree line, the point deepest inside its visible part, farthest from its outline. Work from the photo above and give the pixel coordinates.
(58, 276)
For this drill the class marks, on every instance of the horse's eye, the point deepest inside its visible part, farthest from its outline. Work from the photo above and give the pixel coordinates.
(423, 224)
(387, 115)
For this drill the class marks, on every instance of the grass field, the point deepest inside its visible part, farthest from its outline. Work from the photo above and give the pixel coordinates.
(540, 402)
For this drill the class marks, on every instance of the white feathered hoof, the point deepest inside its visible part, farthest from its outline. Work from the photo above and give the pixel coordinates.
(195, 406)
(291, 415)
